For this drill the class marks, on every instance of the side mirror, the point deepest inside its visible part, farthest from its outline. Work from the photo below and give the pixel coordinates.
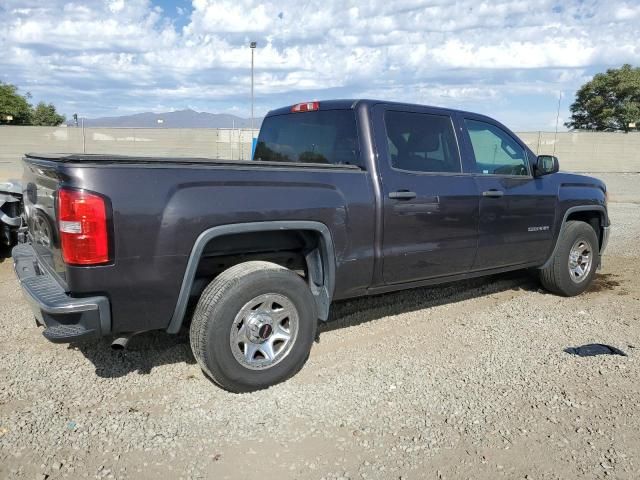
(546, 164)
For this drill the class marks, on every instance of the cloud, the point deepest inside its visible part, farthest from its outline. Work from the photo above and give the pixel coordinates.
(627, 12)
(108, 56)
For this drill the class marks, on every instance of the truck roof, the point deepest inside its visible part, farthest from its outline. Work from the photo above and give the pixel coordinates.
(349, 104)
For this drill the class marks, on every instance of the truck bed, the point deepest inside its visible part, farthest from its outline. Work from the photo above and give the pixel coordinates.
(159, 206)
(93, 158)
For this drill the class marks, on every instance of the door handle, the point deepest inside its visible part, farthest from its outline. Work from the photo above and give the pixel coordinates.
(402, 195)
(493, 193)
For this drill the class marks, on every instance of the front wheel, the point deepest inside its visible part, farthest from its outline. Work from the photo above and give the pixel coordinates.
(253, 326)
(574, 262)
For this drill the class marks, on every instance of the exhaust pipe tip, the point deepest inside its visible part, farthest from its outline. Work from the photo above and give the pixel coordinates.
(120, 343)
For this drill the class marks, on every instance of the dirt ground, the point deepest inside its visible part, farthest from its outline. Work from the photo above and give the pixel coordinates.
(474, 379)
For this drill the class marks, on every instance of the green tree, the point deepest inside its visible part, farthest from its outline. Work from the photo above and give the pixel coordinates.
(609, 100)
(14, 108)
(46, 115)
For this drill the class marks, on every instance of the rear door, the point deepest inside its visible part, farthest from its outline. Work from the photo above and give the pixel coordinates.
(516, 211)
(430, 206)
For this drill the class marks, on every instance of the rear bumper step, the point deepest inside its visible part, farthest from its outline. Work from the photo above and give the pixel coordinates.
(65, 318)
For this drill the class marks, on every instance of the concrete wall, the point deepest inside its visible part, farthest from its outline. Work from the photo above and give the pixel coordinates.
(231, 144)
(579, 152)
(589, 151)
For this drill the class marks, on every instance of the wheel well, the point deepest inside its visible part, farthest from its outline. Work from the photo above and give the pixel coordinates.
(593, 218)
(296, 250)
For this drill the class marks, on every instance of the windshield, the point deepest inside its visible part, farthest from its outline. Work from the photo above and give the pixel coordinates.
(322, 136)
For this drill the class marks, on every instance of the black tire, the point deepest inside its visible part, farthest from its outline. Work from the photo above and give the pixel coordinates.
(217, 309)
(557, 277)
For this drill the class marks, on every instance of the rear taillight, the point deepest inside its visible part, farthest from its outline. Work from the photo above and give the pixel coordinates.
(305, 107)
(82, 218)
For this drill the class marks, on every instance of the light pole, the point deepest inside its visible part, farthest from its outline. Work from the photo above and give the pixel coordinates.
(252, 46)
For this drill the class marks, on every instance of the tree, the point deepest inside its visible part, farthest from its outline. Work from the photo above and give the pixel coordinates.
(14, 108)
(46, 115)
(609, 100)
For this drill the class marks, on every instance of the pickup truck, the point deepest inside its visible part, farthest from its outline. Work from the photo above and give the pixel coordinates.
(342, 199)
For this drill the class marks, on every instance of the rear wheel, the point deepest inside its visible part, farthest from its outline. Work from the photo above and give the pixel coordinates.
(253, 326)
(575, 260)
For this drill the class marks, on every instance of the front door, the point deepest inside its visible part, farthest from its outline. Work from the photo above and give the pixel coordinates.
(516, 212)
(430, 205)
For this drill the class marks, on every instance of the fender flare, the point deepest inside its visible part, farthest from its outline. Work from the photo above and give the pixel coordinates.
(582, 208)
(321, 264)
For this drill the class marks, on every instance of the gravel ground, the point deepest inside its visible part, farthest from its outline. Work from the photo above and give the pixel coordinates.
(469, 380)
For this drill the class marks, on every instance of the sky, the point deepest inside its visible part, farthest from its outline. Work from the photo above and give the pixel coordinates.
(509, 59)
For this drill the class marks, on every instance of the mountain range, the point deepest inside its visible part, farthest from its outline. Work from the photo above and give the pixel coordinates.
(177, 119)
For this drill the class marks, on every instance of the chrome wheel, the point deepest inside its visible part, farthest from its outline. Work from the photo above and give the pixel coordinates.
(580, 260)
(264, 331)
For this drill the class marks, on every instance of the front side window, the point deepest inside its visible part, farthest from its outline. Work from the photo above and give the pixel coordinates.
(496, 152)
(322, 136)
(421, 142)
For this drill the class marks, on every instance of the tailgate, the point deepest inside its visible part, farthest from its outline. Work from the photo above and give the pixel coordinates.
(40, 183)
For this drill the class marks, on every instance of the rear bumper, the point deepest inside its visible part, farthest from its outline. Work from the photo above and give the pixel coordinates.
(65, 318)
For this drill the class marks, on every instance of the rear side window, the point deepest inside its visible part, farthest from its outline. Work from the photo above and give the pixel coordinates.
(421, 142)
(496, 152)
(322, 136)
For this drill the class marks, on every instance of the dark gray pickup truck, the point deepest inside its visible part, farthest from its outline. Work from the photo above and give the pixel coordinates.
(343, 199)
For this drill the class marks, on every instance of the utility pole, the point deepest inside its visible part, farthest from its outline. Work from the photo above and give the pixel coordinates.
(252, 46)
(555, 137)
(84, 140)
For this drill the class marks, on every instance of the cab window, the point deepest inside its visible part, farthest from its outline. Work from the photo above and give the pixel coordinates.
(323, 136)
(496, 152)
(421, 142)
